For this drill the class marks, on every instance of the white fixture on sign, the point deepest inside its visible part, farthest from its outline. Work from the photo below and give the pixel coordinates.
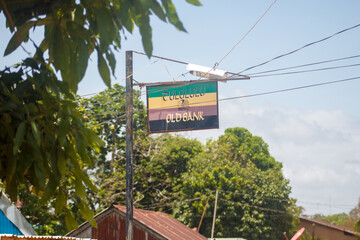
(206, 72)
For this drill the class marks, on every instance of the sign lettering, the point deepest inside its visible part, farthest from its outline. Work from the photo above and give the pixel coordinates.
(182, 107)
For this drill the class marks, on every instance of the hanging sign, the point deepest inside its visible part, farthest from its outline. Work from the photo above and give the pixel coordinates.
(185, 107)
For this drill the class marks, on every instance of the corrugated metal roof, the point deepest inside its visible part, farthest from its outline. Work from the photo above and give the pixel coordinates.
(163, 225)
(6, 226)
(339, 228)
(15, 237)
(13, 215)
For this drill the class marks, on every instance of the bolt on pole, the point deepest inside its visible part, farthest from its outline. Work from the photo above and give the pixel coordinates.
(129, 146)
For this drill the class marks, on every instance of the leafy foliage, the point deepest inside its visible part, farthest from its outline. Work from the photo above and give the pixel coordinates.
(339, 219)
(252, 204)
(44, 222)
(342, 219)
(75, 29)
(43, 141)
(240, 146)
(104, 113)
(253, 201)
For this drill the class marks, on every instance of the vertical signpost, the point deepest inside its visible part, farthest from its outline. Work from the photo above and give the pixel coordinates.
(171, 107)
(129, 146)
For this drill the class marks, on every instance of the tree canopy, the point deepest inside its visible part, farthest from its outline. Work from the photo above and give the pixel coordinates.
(177, 175)
(64, 149)
(75, 29)
(253, 200)
(350, 220)
(44, 143)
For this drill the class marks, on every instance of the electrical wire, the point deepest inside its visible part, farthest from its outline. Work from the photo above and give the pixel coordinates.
(306, 71)
(304, 65)
(247, 96)
(298, 49)
(253, 75)
(290, 89)
(204, 197)
(218, 63)
(258, 197)
(247, 33)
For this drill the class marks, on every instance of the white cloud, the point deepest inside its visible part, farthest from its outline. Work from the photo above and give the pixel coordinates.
(320, 150)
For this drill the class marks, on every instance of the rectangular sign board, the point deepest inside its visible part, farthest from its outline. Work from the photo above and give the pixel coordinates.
(183, 107)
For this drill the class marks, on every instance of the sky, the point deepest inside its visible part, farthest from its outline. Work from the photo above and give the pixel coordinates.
(314, 132)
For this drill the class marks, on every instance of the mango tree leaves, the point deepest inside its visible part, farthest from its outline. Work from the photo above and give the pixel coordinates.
(194, 2)
(43, 140)
(44, 143)
(21, 35)
(74, 29)
(252, 204)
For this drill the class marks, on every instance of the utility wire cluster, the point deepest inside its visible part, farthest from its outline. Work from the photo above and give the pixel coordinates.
(273, 72)
(170, 203)
(269, 73)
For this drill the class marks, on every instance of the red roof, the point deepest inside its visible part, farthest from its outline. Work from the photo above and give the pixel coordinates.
(339, 228)
(163, 224)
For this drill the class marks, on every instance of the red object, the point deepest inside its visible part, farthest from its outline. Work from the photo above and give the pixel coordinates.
(298, 234)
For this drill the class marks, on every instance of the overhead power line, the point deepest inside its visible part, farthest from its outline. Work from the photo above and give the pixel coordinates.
(245, 34)
(253, 75)
(298, 49)
(120, 116)
(291, 89)
(304, 65)
(306, 71)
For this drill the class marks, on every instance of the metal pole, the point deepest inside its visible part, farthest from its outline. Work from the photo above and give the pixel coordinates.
(214, 217)
(129, 146)
(202, 216)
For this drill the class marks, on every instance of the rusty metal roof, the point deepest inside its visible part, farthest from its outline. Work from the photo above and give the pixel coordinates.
(163, 224)
(16, 237)
(329, 225)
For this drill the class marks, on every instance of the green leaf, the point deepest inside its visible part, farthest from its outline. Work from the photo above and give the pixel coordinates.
(94, 139)
(79, 188)
(88, 214)
(50, 189)
(36, 132)
(11, 188)
(10, 169)
(20, 36)
(105, 25)
(172, 15)
(157, 9)
(104, 69)
(19, 136)
(70, 220)
(194, 2)
(60, 50)
(40, 175)
(61, 162)
(146, 35)
(31, 63)
(63, 128)
(88, 182)
(126, 18)
(111, 60)
(82, 58)
(60, 202)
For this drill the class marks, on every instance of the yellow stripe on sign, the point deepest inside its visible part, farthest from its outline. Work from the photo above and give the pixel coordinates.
(159, 103)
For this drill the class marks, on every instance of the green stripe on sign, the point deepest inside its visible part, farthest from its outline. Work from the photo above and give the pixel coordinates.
(157, 91)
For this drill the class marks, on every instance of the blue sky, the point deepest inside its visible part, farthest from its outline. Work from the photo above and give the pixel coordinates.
(314, 132)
